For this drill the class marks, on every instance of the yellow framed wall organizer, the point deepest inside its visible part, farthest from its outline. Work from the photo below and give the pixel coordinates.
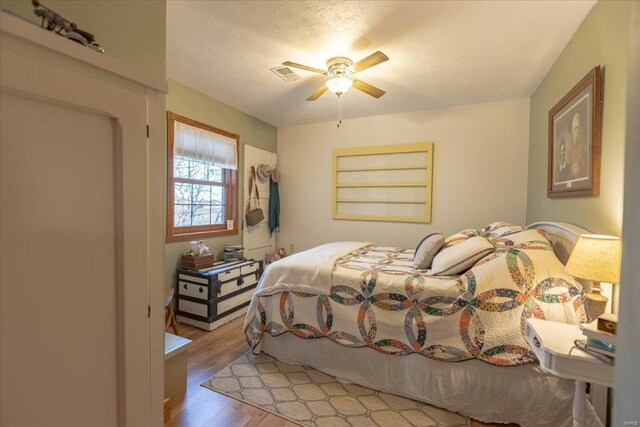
(383, 183)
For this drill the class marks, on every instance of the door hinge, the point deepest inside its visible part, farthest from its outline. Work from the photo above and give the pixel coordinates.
(147, 131)
(148, 311)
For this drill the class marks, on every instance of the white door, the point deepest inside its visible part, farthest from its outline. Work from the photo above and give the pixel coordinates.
(257, 240)
(74, 343)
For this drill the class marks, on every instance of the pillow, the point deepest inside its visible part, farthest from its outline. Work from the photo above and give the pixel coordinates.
(459, 237)
(460, 257)
(426, 250)
(497, 229)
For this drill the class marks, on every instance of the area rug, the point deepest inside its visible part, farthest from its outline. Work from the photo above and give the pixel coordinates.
(311, 398)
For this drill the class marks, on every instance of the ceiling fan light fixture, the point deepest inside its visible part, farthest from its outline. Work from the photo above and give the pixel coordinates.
(339, 85)
(339, 71)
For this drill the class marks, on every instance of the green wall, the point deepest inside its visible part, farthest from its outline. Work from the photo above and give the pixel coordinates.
(195, 105)
(602, 39)
(133, 31)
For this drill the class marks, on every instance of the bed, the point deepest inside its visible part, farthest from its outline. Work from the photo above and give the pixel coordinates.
(362, 314)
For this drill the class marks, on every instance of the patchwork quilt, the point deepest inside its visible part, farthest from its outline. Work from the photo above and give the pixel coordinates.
(361, 295)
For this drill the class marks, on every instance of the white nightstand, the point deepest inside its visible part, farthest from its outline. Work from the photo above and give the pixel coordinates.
(552, 342)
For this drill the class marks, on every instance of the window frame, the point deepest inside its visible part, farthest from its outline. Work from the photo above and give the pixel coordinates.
(230, 184)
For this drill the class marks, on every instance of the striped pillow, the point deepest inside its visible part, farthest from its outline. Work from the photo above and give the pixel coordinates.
(461, 256)
(459, 237)
(426, 250)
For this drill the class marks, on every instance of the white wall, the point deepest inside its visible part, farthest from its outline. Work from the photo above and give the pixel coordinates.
(602, 39)
(480, 171)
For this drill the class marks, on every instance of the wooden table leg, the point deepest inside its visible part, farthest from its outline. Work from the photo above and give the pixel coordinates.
(173, 320)
(579, 404)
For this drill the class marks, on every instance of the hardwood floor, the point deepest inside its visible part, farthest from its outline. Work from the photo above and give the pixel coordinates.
(210, 352)
(199, 407)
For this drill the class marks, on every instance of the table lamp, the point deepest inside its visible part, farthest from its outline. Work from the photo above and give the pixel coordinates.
(597, 258)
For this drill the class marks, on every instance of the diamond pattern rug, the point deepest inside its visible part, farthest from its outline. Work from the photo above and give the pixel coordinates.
(312, 398)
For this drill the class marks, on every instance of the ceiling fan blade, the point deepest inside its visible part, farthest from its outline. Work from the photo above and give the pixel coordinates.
(315, 95)
(304, 67)
(368, 89)
(371, 60)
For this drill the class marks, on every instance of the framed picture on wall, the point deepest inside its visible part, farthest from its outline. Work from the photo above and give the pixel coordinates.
(574, 140)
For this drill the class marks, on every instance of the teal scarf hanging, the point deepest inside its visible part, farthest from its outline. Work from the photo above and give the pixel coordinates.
(274, 206)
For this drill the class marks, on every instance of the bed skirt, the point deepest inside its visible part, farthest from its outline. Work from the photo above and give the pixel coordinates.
(520, 394)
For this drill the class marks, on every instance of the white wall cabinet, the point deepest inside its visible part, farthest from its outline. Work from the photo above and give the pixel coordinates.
(78, 223)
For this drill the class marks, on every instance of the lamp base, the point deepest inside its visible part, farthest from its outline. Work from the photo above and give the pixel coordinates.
(595, 302)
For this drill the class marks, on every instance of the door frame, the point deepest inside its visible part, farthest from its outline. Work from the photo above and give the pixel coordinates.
(125, 103)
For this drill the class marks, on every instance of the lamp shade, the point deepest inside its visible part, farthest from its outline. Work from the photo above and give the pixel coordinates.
(339, 85)
(596, 257)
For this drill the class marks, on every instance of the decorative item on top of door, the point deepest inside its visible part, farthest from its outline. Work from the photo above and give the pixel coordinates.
(56, 23)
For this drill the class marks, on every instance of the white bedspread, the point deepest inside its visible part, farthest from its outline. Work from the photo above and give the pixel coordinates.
(306, 271)
(361, 295)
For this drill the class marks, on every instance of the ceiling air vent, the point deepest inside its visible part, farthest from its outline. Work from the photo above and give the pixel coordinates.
(286, 74)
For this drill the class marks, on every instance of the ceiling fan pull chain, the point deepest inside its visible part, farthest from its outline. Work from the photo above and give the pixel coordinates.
(339, 110)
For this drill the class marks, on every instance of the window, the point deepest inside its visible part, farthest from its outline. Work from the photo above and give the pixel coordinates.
(202, 190)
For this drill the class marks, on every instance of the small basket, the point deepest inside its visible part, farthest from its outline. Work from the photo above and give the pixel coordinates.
(196, 262)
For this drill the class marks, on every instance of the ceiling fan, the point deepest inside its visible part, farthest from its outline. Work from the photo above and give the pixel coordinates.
(339, 71)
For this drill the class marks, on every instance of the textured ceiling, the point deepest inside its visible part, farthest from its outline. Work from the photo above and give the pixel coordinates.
(442, 53)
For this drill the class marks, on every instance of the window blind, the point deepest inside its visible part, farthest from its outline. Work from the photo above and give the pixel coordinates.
(203, 145)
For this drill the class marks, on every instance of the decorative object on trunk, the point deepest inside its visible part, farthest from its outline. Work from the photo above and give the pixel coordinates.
(198, 248)
(268, 258)
(233, 253)
(198, 257)
(279, 254)
(55, 22)
(196, 262)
